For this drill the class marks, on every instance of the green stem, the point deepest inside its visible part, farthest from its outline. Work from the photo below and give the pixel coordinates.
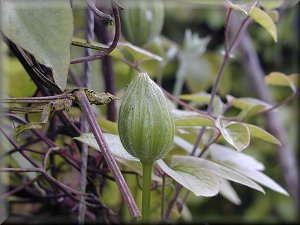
(147, 172)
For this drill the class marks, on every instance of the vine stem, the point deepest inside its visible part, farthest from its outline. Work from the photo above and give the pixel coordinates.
(113, 45)
(146, 196)
(103, 34)
(213, 94)
(88, 112)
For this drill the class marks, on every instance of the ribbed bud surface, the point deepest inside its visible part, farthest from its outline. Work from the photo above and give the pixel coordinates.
(141, 20)
(146, 125)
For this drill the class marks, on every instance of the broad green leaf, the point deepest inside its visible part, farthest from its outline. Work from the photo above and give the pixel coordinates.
(222, 153)
(249, 112)
(228, 192)
(295, 79)
(246, 102)
(271, 4)
(200, 120)
(114, 144)
(280, 79)
(44, 29)
(199, 181)
(204, 98)
(108, 126)
(236, 134)
(241, 5)
(262, 134)
(193, 164)
(265, 21)
(257, 176)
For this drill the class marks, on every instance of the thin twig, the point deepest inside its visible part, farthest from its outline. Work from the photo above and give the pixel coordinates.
(101, 15)
(102, 34)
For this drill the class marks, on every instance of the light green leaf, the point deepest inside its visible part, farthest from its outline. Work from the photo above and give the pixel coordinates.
(181, 114)
(271, 4)
(265, 21)
(236, 134)
(295, 79)
(223, 153)
(249, 112)
(247, 102)
(280, 79)
(108, 126)
(199, 181)
(241, 5)
(257, 176)
(204, 98)
(193, 164)
(114, 144)
(262, 134)
(228, 192)
(44, 29)
(200, 120)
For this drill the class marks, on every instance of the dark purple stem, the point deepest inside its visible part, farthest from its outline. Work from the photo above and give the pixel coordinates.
(102, 34)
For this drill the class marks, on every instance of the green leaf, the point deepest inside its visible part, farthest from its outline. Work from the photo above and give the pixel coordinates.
(182, 114)
(199, 181)
(271, 4)
(223, 153)
(192, 164)
(247, 102)
(280, 79)
(114, 144)
(236, 134)
(245, 114)
(257, 176)
(262, 134)
(200, 120)
(44, 29)
(228, 192)
(204, 98)
(265, 21)
(295, 79)
(108, 126)
(241, 5)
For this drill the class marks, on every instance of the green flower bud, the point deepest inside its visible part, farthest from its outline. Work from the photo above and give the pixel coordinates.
(141, 20)
(146, 125)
